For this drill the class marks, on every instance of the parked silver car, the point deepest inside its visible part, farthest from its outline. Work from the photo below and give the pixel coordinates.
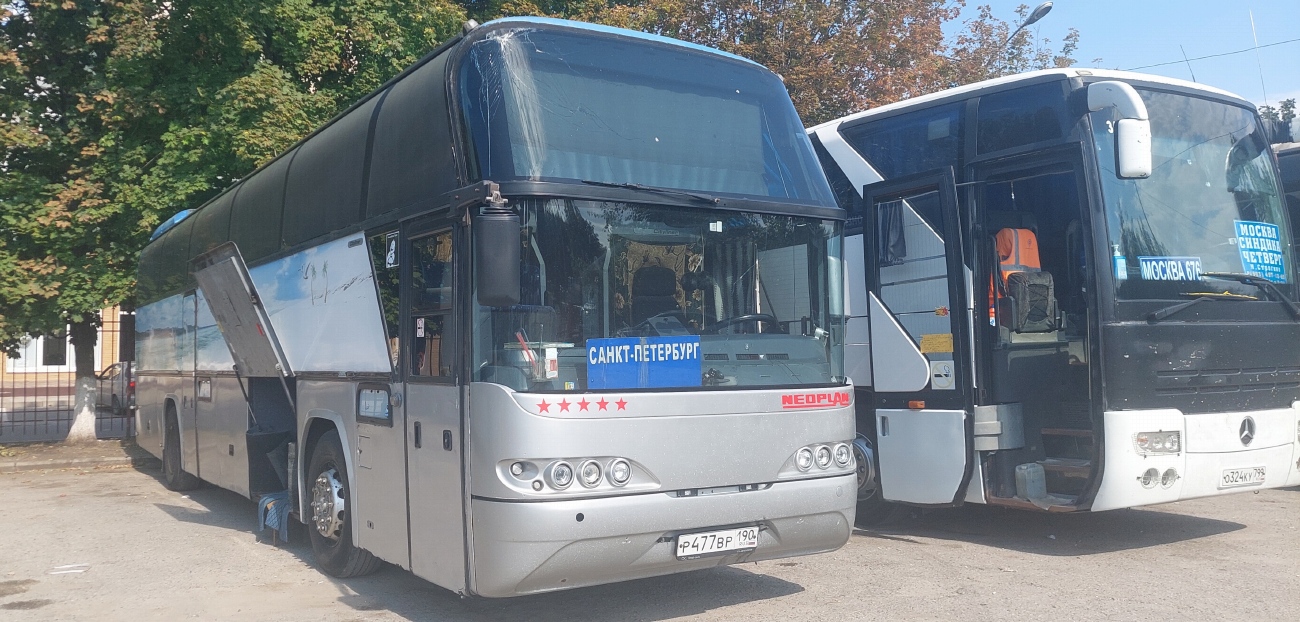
(116, 389)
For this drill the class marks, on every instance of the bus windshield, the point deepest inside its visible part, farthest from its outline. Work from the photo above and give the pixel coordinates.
(567, 106)
(1211, 204)
(622, 295)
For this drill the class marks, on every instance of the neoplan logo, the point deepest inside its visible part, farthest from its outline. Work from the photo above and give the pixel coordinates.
(829, 399)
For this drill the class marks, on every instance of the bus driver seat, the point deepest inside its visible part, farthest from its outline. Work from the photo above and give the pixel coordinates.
(653, 291)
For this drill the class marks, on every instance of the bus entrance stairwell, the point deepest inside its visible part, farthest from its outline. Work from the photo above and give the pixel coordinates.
(1033, 344)
(919, 339)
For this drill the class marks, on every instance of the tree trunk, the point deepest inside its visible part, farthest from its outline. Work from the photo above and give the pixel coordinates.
(84, 335)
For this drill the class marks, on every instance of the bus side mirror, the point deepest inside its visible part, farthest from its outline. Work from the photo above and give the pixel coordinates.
(1133, 148)
(1132, 132)
(496, 257)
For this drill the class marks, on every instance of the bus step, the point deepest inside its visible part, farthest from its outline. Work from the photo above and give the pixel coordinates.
(1068, 467)
(1067, 432)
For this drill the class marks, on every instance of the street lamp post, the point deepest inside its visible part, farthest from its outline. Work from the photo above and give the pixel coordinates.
(1039, 12)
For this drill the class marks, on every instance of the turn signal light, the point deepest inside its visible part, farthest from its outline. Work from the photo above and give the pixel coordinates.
(916, 404)
(1158, 442)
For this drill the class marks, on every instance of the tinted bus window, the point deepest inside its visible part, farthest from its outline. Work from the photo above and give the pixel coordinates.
(411, 160)
(845, 193)
(1021, 116)
(212, 224)
(910, 143)
(568, 106)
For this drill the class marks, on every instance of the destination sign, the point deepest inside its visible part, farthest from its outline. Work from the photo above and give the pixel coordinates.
(643, 362)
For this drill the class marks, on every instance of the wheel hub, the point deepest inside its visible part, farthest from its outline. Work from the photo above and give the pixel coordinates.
(327, 504)
(865, 456)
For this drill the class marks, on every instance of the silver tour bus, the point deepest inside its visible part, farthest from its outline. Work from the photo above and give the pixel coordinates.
(1068, 290)
(556, 306)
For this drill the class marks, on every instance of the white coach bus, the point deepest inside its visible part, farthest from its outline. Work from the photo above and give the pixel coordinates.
(1067, 290)
(557, 306)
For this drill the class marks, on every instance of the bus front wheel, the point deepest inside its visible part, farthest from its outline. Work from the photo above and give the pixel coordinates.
(873, 509)
(330, 517)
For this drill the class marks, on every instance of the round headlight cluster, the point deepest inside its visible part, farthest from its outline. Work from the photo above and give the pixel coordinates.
(560, 474)
(823, 456)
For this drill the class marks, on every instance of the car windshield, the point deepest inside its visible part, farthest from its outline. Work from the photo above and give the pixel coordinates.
(569, 106)
(1211, 204)
(622, 295)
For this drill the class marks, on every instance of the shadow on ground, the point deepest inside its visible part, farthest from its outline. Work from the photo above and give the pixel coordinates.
(1082, 533)
(398, 591)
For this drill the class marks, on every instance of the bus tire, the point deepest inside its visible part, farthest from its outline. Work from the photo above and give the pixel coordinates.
(174, 475)
(873, 509)
(329, 519)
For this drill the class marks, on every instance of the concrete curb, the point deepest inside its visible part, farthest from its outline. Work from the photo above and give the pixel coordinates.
(18, 465)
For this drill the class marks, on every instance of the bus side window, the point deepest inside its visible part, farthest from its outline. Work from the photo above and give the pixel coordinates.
(431, 282)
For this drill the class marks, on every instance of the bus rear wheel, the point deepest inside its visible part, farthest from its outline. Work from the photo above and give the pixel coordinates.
(174, 475)
(329, 519)
(873, 509)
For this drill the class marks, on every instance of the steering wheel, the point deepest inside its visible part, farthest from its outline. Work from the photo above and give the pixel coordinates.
(740, 319)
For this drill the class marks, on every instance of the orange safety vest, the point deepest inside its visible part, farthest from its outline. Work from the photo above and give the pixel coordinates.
(1017, 252)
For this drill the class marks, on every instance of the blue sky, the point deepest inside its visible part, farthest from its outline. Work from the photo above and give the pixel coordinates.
(1127, 34)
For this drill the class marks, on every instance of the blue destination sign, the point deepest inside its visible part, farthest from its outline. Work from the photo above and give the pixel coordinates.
(643, 362)
(1170, 268)
(1260, 245)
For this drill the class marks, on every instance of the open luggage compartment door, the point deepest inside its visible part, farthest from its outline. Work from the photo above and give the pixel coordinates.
(225, 282)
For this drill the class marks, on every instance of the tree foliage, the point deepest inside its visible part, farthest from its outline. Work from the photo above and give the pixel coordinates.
(119, 113)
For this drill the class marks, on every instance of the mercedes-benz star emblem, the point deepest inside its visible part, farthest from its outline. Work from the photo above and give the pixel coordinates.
(1247, 431)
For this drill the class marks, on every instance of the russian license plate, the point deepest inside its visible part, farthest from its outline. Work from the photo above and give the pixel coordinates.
(696, 545)
(1242, 477)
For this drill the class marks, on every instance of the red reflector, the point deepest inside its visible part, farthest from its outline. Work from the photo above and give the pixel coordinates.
(132, 385)
(916, 404)
(259, 330)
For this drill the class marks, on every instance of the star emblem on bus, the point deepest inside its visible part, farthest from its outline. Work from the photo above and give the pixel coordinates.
(544, 407)
(583, 404)
(603, 404)
(621, 403)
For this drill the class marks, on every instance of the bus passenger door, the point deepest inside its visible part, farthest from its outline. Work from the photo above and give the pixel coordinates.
(430, 355)
(916, 283)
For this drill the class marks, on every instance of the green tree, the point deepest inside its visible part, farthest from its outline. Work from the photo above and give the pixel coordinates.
(119, 113)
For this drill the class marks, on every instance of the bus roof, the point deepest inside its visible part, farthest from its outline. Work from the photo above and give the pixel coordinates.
(1005, 82)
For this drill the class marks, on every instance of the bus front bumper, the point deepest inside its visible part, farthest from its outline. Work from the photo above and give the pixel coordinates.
(529, 547)
(1220, 453)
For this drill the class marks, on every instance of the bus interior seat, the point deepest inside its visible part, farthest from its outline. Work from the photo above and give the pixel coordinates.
(653, 292)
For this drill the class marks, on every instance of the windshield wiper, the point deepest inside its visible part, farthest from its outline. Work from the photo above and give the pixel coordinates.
(1263, 284)
(703, 198)
(1156, 316)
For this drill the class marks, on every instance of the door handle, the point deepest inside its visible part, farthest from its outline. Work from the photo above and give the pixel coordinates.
(884, 425)
(446, 440)
(418, 439)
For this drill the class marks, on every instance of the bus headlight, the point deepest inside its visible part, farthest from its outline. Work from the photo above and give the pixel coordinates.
(1169, 478)
(823, 457)
(804, 459)
(559, 475)
(1149, 478)
(589, 473)
(619, 472)
(1148, 443)
(843, 455)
